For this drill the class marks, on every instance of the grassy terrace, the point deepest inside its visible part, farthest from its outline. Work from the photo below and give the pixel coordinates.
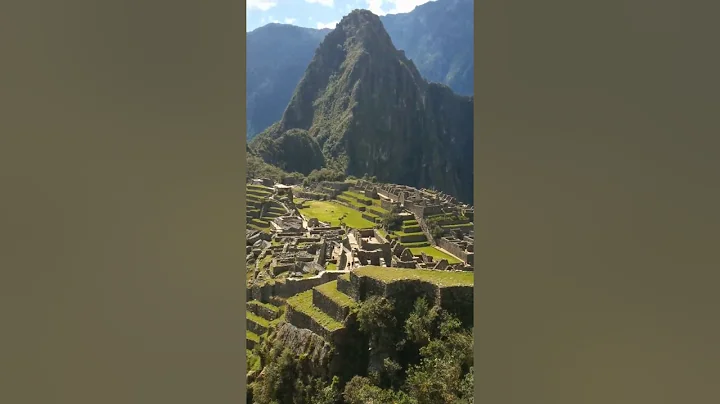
(303, 303)
(435, 253)
(330, 290)
(260, 187)
(416, 245)
(402, 233)
(345, 277)
(332, 212)
(278, 320)
(440, 278)
(260, 223)
(266, 305)
(252, 336)
(253, 361)
(255, 227)
(331, 267)
(358, 196)
(459, 226)
(257, 319)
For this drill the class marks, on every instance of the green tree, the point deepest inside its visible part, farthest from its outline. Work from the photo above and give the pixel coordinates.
(420, 324)
(377, 319)
(441, 376)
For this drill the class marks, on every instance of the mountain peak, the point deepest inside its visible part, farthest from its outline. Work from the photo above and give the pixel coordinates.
(362, 107)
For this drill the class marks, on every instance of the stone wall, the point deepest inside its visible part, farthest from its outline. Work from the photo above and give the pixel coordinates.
(302, 320)
(387, 205)
(344, 286)
(261, 311)
(388, 194)
(285, 288)
(309, 195)
(329, 306)
(413, 238)
(338, 186)
(255, 327)
(456, 250)
(369, 218)
(302, 341)
(456, 299)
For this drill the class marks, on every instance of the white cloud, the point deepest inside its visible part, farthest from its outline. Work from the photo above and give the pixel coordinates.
(262, 5)
(290, 20)
(326, 3)
(330, 25)
(382, 7)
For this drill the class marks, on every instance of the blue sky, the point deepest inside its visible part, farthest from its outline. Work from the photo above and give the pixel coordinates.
(318, 13)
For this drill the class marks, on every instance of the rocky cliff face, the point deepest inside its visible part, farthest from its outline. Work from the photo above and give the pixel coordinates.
(365, 106)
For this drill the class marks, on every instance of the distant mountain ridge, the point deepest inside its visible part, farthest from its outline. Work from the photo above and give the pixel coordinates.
(364, 108)
(277, 55)
(437, 36)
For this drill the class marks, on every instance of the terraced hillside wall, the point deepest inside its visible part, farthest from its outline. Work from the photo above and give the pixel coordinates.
(302, 320)
(318, 352)
(289, 287)
(455, 299)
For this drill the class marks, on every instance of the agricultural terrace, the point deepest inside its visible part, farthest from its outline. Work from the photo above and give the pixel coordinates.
(303, 302)
(435, 253)
(439, 278)
(331, 291)
(330, 212)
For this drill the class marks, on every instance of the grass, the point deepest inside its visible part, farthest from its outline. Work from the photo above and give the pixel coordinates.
(358, 196)
(331, 267)
(252, 336)
(376, 209)
(345, 277)
(416, 245)
(253, 361)
(331, 212)
(458, 226)
(262, 229)
(440, 278)
(302, 302)
(280, 318)
(266, 305)
(435, 253)
(402, 233)
(260, 223)
(257, 319)
(265, 261)
(330, 290)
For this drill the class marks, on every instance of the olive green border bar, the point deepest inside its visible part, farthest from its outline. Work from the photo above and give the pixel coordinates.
(596, 181)
(242, 116)
(122, 128)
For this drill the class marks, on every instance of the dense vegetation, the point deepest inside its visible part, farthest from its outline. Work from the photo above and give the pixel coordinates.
(437, 37)
(419, 356)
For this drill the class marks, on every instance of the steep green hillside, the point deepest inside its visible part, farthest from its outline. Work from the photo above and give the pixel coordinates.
(436, 36)
(369, 110)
